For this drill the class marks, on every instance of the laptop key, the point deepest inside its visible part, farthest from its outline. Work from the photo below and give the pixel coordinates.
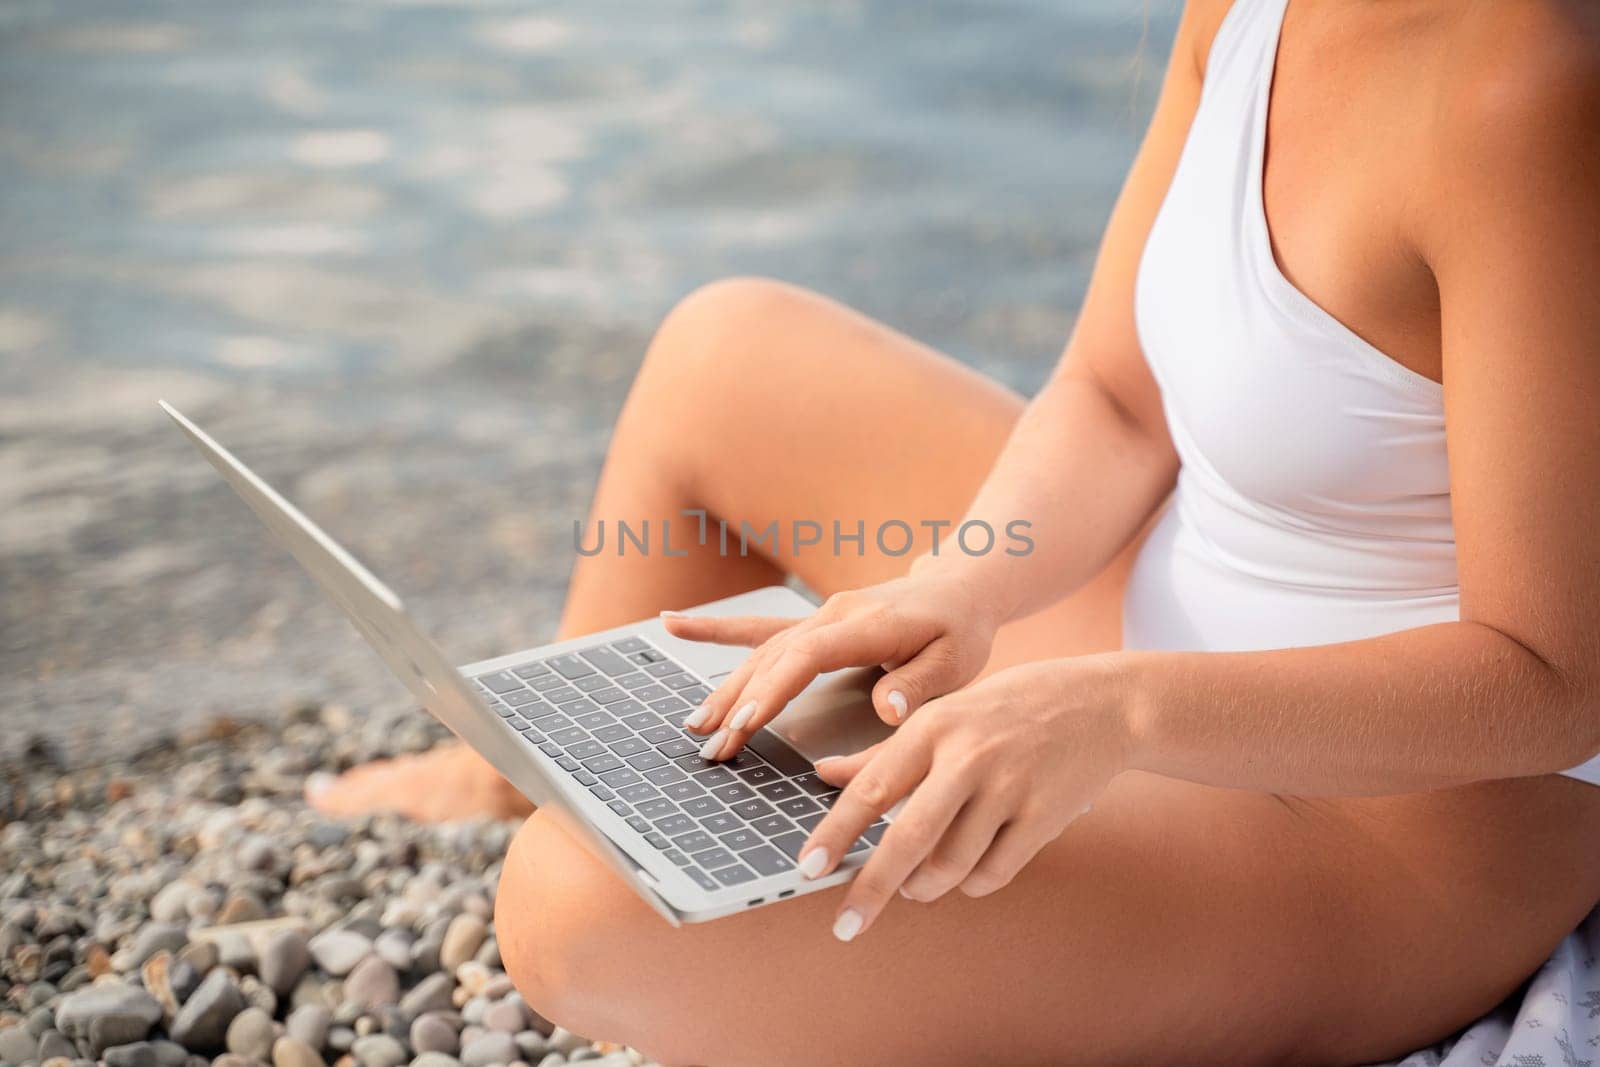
(700, 807)
(711, 858)
(570, 736)
(679, 681)
(654, 691)
(765, 859)
(715, 774)
(731, 793)
(683, 791)
(637, 791)
(722, 822)
(827, 799)
(614, 732)
(656, 808)
(701, 878)
(569, 666)
(641, 720)
(531, 734)
(548, 682)
(666, 704)
(812, 784)
(740, 839)
(629, 746)
(742, 760)
(631, 644)
(657, 735)
(553, 720)
(735, 875)
(607, 660)
(790, 844)
(678, 746)
(584, 777)
(562, 695)
(760, 774)
(674, 825)
(551, 749)
(520, 697)
(620, 777)
(633, 680)
(695, 694)
(637, 824)
(500, 681)
(795, 807)
(603, 763)
(591, 683)
(658, 841)
(772, 826)
(577, 705)
(585, 749)
(646, 761)
(663, 775)
(618, 806)
(810, 822)
(694, 764)
(502, 710)
(601, 792)
(776, 791)
(694, 841)
(751, 810)
(608, 696)
(678, 857)
(662, 669)
(874, 833)
(531, 670)
(567, 763)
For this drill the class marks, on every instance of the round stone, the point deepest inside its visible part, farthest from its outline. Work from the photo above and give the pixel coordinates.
(202, 1022)
(338, 951)
(492, 1048)
(107, 1015)
(430, 994)
(137, 1054)
(506, 1015)
(432, 1033)
(284, 958)
(462, 939)
(292, 1052)
(371, 984)
(435, 1059)
(308, 1024)
(250, 1034)
(379, 1050)
(394, 948)
(171, 903)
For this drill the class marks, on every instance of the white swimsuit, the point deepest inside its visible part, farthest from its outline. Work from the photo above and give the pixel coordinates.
(1313, 503)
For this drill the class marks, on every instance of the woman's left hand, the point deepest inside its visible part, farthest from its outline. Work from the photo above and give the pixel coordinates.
(991, 774)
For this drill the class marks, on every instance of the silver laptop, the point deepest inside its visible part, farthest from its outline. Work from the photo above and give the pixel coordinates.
(591, 731)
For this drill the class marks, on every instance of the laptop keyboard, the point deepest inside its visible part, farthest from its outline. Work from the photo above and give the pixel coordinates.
(612, 716)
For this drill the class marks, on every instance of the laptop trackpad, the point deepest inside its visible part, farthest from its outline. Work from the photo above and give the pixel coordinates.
(833, 716)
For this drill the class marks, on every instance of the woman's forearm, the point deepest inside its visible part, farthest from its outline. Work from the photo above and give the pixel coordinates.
(1435, 706)
(1083, 476)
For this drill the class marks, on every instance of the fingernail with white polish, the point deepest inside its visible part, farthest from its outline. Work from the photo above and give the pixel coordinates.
(897, 701)
(742, 717)
(847, 925)
(814, 862)
(697, 718)
(673, 615)
(713, 744)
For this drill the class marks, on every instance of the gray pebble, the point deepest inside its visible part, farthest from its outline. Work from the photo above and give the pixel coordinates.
(170, 1053)
(292, 1052)
(394, 948)
(564, 1041)
(53, 1044)
(201, 955)
(138, 1054)
(531, 1044)
(171, 903)
(473, 1010)
(338, 951)
(506, 1015)
(431, 1033)
(17, 1045)
(491, 1048)
(341, 1038)
(462, 939)
(309, 1024)
(228, 1059)
(435, 1059)
(107, 1015)
(202, 1023)
(234, 950)
(152, 938)
(284, 958)
(553, 1059)
(371, 984)
(430, 994)
(379, 1050)
(250, 1034)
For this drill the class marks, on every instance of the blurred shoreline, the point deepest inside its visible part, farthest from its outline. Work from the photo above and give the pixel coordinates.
(404, 258)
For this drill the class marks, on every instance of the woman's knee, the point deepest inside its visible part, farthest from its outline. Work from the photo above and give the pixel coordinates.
(563, 922)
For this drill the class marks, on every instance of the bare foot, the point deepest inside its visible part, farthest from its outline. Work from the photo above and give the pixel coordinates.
(444, 784)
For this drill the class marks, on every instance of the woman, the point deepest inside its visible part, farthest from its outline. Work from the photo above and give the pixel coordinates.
(1328, 820)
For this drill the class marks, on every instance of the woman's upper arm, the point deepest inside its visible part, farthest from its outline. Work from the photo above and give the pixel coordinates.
(1105, 344)
(1515, 249)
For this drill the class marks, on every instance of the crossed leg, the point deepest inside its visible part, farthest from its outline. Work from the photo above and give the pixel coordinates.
(1175, 924)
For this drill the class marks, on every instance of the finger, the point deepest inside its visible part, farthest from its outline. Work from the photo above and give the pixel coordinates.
(893, 771)
(714, 708)
(794, 663)
(1014, 846)
(909, 840)
(964, 844)
(749, 630)
(937, 669)
(839, 770)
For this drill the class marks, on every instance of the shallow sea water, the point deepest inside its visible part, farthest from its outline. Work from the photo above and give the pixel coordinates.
(404, 256)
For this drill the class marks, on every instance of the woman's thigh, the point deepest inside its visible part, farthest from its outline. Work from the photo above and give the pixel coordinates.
(1174, 924)
(764, 404)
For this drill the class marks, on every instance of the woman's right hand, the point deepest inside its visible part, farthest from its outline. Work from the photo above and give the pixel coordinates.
(931, 631)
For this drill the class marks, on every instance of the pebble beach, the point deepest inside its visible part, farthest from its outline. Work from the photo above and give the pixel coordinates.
(182, 907)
